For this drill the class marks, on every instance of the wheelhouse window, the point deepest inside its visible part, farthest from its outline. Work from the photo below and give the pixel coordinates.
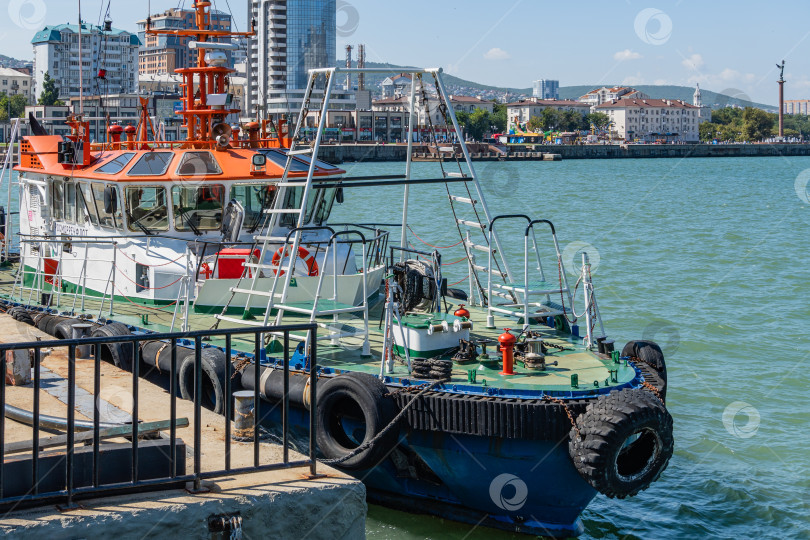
(151, 164)
(324, 204)
(87, 206)
(117, 164)
(147, 209)
(70, 202)
(198, 164)
(198, 208)
(280, 159)
(253, 197)
(58, 199)
(105, 202)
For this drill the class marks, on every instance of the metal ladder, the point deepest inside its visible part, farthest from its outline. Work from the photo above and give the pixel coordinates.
(470, 229)
(533, 299)
(291, 242)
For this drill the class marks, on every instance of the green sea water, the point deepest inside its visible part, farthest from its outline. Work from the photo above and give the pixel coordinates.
(708, 257)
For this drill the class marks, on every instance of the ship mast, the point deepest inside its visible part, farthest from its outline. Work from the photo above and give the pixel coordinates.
(210, 104)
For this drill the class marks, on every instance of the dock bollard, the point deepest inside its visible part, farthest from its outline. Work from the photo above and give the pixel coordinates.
(243, 416)
(79, 331)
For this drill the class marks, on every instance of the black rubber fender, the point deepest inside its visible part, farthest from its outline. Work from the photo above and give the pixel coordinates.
(42, 322)
(120, 354)
(50, 328)
(213, 378)
(362, 397)
(64, 329)
(622, 442)
(649, 353)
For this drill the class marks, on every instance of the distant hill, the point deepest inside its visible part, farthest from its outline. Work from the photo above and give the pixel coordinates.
(9, 62)
(712, 99)
(458, 85)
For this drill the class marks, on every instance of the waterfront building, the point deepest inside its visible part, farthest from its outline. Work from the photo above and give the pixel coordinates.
(519, 112)
(546, 89)
(112, 53)
(466, 104)
(14, 82)
(165, 53)
(653, 120)
(293, 36)
(601, 95)
(704, 111)
(797, 106)
(396, 86)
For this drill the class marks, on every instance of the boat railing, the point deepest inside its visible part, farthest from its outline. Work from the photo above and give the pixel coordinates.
(60, 469)
(373, 249)
(47, 276)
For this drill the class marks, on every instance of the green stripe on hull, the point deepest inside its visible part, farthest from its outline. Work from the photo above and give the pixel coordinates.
(70, 288)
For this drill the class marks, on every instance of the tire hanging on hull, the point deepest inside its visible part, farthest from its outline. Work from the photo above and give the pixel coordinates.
(347, 401)
(622, 442)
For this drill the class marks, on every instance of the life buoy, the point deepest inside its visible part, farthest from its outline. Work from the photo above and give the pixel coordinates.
(303, 254)
(206, 271)
(622, 442)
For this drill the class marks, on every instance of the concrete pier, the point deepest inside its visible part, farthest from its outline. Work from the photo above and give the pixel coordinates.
(274, 504)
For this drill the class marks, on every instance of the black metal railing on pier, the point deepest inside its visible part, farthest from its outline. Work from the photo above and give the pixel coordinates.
(95, 485)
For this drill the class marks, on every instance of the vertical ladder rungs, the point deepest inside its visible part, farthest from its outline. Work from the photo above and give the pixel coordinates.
(463, 199)
(471, 224)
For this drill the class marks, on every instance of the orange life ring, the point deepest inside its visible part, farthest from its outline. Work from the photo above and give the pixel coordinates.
(306, 256)
(205, 270)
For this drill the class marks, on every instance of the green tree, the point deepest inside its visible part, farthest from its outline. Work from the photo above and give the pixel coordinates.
(50, 92)
(498, 117)
(727, 115)
(549, 119)
(599, 120)
(14, 104)
(478, 124)
(756, 124)
(535, 124)
(462, 117)
(708, 131)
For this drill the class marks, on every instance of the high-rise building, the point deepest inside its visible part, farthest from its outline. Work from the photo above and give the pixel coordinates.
(546, 89)
(293, 36)
(164, 54)
(109, 59)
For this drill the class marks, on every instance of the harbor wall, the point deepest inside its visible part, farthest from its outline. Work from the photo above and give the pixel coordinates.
(398, 152)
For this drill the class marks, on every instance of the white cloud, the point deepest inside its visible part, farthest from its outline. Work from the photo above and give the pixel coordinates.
(626, 54)
(632, 80)
(661, 82)
(497, 54)
(694, 62)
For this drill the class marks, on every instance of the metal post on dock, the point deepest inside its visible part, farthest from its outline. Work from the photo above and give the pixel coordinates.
(114, 268)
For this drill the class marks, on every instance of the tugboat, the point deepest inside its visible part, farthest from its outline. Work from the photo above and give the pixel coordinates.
(504, 404)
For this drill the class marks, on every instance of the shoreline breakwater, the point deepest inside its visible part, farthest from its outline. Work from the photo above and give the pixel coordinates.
(339, 153)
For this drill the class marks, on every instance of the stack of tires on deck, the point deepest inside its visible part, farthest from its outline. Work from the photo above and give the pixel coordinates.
(155, 355)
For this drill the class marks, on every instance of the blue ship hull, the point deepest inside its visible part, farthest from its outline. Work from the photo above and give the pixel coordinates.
(519, 485)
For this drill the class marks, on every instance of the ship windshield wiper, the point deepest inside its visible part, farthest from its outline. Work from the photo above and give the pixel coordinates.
(138, 224)
(188, 221)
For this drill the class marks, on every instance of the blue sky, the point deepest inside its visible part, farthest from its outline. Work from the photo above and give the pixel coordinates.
(723, 45)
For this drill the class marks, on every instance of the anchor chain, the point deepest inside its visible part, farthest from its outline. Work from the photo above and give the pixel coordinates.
(567, 412)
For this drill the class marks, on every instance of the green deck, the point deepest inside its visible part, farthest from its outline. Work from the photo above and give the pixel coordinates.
(589, 368)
